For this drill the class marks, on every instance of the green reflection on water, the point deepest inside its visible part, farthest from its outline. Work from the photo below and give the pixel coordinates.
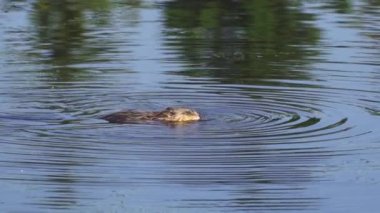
(246, 40)
(67, 34)
(61, 28)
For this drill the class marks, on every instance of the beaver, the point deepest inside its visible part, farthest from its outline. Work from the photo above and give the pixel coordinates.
(170, 114)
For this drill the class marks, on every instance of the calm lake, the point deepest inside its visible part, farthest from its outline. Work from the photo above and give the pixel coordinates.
(289, 93)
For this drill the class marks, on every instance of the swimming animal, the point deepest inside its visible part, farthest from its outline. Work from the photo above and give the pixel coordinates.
(170, 114)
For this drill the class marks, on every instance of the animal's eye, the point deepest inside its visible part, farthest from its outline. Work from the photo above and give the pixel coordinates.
(171, 113)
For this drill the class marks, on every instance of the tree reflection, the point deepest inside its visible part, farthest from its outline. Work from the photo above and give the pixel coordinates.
(61, 33)
(340, 6)
(245, 40)
(61, 42)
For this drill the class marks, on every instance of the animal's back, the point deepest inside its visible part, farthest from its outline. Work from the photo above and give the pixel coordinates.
(128, 116)
(170, 114)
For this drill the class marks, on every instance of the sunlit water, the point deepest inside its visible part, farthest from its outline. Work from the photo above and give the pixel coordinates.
(288, 93)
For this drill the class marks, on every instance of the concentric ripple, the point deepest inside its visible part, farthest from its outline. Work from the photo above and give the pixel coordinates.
(257, 114)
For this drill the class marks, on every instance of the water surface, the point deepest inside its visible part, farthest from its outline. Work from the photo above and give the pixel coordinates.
(288, 91)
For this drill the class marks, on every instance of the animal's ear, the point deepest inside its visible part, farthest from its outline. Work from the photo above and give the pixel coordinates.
(169, 109)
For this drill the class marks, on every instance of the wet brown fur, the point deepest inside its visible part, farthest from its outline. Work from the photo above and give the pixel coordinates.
(170, 114)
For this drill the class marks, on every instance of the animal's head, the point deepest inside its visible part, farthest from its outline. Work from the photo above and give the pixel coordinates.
(179, 114)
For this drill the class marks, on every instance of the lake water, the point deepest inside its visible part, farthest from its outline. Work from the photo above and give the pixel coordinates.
(289, 93)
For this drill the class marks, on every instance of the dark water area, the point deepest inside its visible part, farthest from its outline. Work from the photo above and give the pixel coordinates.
(289, 93)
